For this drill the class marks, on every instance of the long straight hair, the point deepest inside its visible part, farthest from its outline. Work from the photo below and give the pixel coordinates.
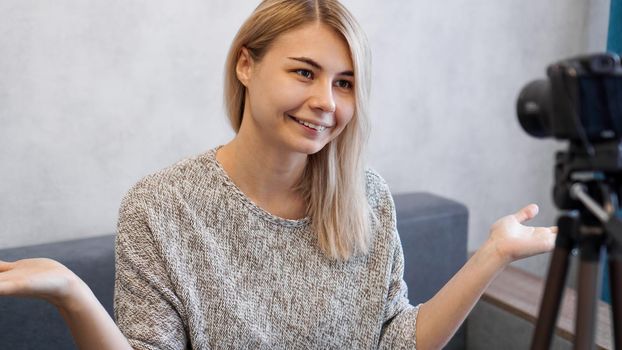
(333, 181)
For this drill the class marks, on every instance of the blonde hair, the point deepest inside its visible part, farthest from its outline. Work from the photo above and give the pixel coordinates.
(333, 182)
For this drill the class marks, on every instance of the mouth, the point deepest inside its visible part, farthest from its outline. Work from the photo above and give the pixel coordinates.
(318, 128)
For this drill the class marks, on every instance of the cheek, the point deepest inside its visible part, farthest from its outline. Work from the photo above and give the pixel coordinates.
(345, 111)
(269, 95)
(281, 93)
(290, 97)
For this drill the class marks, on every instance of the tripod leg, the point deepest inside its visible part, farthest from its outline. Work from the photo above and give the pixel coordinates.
(588, 290)
(558, 269)
(615, 275)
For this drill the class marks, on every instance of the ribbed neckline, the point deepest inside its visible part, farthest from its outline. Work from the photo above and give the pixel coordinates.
(210, 157)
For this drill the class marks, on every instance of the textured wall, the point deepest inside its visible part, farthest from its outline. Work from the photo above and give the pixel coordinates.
(96, 94)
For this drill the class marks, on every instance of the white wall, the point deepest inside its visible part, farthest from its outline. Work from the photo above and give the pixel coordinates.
(96, 94)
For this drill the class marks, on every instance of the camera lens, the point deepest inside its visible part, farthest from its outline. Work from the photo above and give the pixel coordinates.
(533, 108)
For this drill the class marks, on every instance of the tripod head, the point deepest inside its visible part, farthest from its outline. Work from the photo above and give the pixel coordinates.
(592, 185)
(602, 167)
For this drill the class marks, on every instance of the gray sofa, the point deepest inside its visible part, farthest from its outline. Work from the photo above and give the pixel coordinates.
(433, 231)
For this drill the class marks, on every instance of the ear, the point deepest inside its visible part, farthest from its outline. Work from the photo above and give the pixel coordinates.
(244, 67)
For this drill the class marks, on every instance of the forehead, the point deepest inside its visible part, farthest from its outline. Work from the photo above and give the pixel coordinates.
(316, 41)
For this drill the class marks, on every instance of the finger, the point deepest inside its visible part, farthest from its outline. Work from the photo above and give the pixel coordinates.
(548, 237)
(554, 229)
(528, 212)
(5, 266)
(8, 288)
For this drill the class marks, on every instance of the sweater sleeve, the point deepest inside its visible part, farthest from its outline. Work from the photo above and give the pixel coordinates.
(400, 317)
(146, 307)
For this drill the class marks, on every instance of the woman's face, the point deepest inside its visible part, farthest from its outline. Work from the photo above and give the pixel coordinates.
(300, 95)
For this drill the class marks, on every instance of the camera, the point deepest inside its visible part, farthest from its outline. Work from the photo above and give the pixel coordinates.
(581, 101)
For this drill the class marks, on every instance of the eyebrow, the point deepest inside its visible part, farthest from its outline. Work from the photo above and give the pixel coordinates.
(316, 65)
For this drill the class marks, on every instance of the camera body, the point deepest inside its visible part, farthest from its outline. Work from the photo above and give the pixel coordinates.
(581, 101)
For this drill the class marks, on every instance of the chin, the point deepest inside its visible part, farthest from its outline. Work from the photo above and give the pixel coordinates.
(309, 148)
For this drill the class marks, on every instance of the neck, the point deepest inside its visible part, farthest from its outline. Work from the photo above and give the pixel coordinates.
(265, 173)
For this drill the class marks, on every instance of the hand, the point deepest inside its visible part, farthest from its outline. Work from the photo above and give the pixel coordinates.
(514, 241)
(37, 278)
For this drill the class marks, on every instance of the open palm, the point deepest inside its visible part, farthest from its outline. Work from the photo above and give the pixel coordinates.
(514, 241)
(39, 278)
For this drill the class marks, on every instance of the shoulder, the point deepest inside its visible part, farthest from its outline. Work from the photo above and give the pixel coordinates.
(377, 189)
(383, 214)
(158, 187)
(380, 200)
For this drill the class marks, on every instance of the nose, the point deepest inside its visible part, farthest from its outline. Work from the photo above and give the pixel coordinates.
(323, 97)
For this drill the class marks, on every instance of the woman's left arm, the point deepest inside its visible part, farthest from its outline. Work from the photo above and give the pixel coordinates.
(509, 240)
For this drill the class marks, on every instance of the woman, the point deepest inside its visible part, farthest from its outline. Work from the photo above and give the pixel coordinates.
(280, 238)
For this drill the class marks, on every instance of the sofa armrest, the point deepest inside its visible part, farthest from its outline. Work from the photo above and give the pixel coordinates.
(433, 231)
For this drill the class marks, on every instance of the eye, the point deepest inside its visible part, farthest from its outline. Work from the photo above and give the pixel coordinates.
(344, 84)
(305, 73)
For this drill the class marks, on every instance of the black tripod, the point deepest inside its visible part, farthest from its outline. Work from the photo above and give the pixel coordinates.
(591, 228)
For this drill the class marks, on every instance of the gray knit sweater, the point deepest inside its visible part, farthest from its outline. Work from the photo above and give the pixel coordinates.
(200, 266)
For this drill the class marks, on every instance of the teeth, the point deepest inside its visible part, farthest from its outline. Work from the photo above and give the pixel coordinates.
(312, 126)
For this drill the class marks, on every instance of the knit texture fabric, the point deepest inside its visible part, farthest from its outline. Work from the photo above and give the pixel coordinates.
(200, 266)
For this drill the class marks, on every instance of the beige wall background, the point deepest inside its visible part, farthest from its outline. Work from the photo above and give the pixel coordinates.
(96, 94)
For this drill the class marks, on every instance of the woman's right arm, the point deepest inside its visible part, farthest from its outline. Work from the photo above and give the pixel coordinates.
(88, 321)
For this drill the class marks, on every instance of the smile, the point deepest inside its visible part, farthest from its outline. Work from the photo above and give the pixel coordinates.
(318, 128)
